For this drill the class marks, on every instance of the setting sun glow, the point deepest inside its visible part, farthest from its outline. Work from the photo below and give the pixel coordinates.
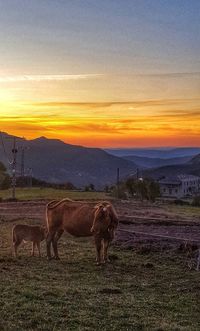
(92, 86)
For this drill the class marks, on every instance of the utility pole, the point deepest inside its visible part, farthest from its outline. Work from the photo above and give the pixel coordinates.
(118, 183)
(30, 175)
(22, 170)
(22, 163)
(14, 164)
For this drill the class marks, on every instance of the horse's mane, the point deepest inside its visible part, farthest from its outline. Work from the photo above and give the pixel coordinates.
(102, 204)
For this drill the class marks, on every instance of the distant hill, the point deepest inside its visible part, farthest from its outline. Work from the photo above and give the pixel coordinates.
(163, 153)
(192, 167)
(195, 160)
(148, 162)
(55, 161)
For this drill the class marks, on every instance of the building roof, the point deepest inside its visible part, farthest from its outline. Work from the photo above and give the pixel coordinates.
(177, 180)
(187, 177)
(172, 180)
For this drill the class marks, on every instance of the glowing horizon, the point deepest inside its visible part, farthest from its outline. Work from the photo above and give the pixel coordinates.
(165, 125)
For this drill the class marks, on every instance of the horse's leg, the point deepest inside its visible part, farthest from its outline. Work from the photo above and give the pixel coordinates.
(16, 245)
(98, 246)
(105, 250)
(49, 240)
(55, 243)
(38, 248)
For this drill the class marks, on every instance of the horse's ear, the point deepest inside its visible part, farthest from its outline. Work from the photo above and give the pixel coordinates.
(99, 207)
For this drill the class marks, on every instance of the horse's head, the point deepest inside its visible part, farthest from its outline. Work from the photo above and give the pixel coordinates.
(105, 218)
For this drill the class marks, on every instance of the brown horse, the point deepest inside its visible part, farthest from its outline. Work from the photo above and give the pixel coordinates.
(81, 219)
(24, 232)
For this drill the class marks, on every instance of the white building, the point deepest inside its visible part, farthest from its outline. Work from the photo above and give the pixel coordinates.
(180, 186)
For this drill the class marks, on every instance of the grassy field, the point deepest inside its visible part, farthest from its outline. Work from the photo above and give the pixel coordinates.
(186, 211)
(50, 193)
(133, 292)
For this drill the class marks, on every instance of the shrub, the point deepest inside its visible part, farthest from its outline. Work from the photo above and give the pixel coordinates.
(86, 188)
(5, 180)
(143, 188)
(181, 202)
(196, 201)
(120, 192)
(153, 189)
(2, 167)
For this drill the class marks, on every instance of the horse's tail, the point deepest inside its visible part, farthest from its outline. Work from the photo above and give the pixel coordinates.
(47, 217)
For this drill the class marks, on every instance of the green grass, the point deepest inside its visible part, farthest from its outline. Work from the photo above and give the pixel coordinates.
(134, 292)
(186, 211)
(50, 193)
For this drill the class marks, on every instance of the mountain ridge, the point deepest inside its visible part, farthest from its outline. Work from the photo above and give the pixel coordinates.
(148, 162)
(55, 161)
(155, 153)
(191, 168)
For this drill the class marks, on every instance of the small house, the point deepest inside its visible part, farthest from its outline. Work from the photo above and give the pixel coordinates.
(179, 186)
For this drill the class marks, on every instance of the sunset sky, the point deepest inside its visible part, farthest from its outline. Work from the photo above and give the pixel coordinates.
(109, 73)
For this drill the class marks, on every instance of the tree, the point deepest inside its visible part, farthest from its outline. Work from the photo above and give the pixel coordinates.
(5, 180)
(120, 191)
(6, 183)
(143, 188)
(153, 190)
(91, 187)
(2, 167)
(106, 189)
(69, 186)
(131, 186)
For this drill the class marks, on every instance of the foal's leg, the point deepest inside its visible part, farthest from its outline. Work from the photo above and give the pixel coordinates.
(33, 248)
(15, 246)
(55, 243)
(49, 240)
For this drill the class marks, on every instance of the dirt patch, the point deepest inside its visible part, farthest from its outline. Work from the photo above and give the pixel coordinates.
(110, 291)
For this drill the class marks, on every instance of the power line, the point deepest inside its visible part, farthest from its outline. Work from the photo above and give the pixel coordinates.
(22, 164)
(14, 164)
(159, 235)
